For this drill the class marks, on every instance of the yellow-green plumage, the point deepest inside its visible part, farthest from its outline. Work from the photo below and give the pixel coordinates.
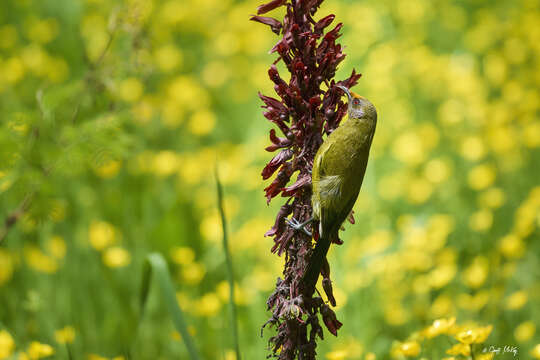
(338, 171)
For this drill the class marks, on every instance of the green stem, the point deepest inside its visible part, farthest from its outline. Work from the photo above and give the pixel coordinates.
(228, 260)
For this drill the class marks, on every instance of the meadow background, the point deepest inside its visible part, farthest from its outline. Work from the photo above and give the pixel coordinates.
(114, 114)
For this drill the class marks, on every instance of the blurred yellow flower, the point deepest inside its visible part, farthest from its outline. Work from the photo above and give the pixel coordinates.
(337, 355)
(6, 266)
(531, 134)
(42, 31)
(101, 234)
(512, 246)
(37, 350)
(165, 163)
(442, 275)
(481, 220)
(7, 344)
(437, 171)
(516, 300)
(439, 326)
(208, 305)
(472, 148)
(202, 122)
(116, 256)
(168, 57)
(215, 73)
(492, 198)
(525, 331)
(210, 227)
(12, 70)
(109, 169)
(65, 335)
(230, 355)
(56, 246)
(370, 356)
(535, 352)
(409, 349)
(182, 255)
(408, 148)
(130, 89)
(473, 302)
(476, 274)
(441, 306)
(193, 273)
(39, 261)
(419, 190)
(481, 177)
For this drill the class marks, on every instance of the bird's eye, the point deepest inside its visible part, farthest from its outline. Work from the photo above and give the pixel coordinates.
(356, 102)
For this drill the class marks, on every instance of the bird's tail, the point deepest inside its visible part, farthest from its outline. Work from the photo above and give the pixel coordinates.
(316, 261)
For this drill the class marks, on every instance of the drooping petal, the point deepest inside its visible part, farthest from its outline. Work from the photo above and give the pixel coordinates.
(264, 8)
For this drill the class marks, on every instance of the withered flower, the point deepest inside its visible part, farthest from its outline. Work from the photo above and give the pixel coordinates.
(308, 106)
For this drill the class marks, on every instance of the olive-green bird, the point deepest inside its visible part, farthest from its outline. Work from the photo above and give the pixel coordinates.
(338, 170)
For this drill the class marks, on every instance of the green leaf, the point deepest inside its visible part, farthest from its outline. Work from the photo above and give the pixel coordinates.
(155, 263)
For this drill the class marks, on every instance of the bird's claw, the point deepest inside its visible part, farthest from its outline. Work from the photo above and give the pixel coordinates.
(298, 226)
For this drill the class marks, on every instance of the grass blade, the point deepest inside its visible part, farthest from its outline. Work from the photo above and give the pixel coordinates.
(228, 259)
(156, 264)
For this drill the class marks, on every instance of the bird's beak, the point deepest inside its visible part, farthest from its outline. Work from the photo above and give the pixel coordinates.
(346, 91)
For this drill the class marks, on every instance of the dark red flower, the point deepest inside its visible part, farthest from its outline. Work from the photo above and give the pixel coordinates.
(303, 113)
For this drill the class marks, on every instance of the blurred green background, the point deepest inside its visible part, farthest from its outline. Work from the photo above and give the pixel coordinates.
(113, 114)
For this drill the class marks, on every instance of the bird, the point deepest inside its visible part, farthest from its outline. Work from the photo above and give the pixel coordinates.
(337, 175)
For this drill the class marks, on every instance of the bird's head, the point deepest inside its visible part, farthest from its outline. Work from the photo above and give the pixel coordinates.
(359, 106)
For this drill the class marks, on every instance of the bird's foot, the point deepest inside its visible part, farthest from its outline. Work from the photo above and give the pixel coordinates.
(298, 226)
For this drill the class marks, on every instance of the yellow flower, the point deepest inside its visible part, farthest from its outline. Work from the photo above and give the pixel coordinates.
(492, 198)
(473, 336)
(481, 220)
(42, 31)
(193, 273)
(409, 148)
(182, 255)
(481, 177)
(459, 349)
(202, 122)
(439, 326)
(337, 355)
(516, 300)
(37, 350)
(7, 344)
(101, 234)
(109, 169)
(409, 348)
(39, 261)
(65, 335)
(486, 356)
(370, 356)
(57, 246)
(168, 57)
(473, 148)
(208, 305)
(535, 352)
(165, 163)
(130, 89)
(476, 274)
(525, 331)
(230, 354)
(116, 256)
(512, 246)
(437, 171)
